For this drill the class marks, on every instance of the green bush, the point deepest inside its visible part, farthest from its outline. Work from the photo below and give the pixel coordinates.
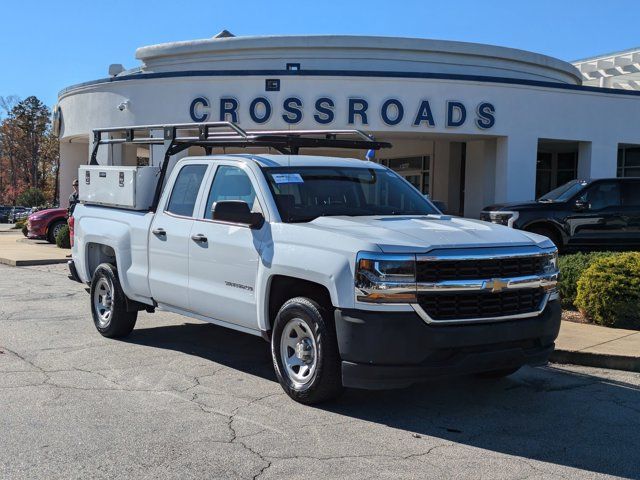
(31, 197)
(571, 267)
(21, 225)
(609, 291)
(62, 239)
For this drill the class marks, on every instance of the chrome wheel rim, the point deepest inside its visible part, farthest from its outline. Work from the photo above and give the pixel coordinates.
(56, 230)
(298, 352)
(103, 301)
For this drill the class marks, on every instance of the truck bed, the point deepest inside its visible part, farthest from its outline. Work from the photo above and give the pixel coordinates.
(127, 233)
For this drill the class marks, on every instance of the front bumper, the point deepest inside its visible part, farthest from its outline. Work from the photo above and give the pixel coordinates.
(392, 350)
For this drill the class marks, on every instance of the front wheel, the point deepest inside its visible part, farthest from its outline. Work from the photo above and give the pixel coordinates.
(109, 305)
(305, 352)
(54, 229)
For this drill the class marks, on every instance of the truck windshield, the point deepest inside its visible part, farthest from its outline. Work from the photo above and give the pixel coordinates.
(563, 192)
(305, 193)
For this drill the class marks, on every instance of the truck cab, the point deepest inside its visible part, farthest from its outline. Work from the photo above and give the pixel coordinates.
(353, 276)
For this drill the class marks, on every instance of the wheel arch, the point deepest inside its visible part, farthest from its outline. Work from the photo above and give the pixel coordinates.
(282, 288)
(551, 225)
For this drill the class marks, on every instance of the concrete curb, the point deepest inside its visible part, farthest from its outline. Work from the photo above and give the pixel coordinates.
(27, 263)
(598, 360)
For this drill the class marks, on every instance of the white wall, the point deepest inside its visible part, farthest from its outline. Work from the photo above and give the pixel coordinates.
(72, 155)
(523, 113)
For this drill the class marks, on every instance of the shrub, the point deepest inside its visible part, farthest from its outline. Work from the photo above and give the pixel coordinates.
(31, 197)
(21, 225)
(62, 239)
(571, 267)
(609, 291)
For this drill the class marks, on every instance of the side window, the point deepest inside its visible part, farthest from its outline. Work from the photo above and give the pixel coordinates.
(231, 183)
(631, 194)
(603, 195)
(185, 190)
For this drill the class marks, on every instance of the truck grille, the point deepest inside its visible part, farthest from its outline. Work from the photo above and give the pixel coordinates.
(430, 271)
(453, 306)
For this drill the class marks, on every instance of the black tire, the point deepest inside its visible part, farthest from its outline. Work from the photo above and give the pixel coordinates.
(53, 230)
(325, 380)
(501, 373)
(548, 232)
(120, 322)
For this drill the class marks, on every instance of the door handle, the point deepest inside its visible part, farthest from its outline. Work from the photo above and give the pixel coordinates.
(160, 232)
(199, 238)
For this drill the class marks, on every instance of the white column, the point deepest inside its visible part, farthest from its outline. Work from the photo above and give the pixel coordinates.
(597, 159)
(440, 171)
(72, 155)
(515, 161)
(479, 176)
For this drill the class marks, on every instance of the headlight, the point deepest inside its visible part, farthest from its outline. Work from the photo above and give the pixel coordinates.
(550, 264)
(500, 218)
(385, 278)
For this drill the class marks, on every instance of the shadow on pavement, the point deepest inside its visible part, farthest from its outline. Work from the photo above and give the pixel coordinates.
(546, 414)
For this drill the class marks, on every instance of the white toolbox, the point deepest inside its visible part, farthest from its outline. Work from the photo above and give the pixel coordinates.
(118, 186)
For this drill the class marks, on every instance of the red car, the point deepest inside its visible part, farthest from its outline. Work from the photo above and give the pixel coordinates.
(46, 224)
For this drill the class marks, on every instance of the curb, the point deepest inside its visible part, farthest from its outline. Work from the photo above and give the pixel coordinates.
(599, 360)
(27, 263)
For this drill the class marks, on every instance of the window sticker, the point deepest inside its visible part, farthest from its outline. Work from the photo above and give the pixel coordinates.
(280, 178)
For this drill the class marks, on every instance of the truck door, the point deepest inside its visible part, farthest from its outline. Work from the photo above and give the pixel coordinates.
(223, 257)
(169, 238)
(631, 211)
(599, 221)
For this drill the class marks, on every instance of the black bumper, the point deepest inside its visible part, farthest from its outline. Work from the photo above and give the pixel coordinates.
(397, 349)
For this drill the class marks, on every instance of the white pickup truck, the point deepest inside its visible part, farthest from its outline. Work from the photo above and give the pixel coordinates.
(351, 274)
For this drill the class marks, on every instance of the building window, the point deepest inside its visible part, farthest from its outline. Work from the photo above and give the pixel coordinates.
(554, 169)
(416, 170)
(629, 162)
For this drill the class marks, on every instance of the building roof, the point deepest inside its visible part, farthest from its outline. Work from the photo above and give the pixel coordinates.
(615, 70)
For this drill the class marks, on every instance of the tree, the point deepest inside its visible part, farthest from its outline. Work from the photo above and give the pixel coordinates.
(29, 150)
(31, 197)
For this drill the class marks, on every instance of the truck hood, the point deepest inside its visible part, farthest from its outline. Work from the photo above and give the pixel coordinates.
(397, 234)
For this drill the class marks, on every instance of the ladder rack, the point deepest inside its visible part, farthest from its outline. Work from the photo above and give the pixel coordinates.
(209, 135)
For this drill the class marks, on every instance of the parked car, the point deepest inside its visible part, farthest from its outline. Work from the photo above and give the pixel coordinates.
(18, 213)
(602, 213)
(352, 275)
(45, 224)
(4, 213)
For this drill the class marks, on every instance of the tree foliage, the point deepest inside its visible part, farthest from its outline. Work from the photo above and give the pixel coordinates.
(29, 151)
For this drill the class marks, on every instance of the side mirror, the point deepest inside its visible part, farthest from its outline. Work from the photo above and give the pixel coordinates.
(581, 205)
(236, 211)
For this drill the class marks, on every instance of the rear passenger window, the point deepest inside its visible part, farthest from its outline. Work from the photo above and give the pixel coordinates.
(631, 194)
(185, 190)
(604, 195)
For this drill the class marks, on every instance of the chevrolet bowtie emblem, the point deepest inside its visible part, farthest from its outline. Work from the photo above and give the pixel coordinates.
(495, 285)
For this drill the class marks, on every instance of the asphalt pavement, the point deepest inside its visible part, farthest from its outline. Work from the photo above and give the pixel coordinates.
(183, 399)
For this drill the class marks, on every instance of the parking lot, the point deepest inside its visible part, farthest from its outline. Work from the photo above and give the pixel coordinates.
(179, 398)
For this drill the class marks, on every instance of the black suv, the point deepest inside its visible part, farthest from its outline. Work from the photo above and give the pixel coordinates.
(603, 213)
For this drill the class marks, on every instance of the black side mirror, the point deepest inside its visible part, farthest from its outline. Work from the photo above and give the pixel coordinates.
(236, 211)
(581, 205)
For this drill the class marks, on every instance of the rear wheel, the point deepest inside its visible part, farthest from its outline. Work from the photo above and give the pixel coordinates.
(548, 232)
(109, 305)
(305, 352)
(54, 229)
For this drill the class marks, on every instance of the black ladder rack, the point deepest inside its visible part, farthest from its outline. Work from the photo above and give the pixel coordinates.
(178, 137)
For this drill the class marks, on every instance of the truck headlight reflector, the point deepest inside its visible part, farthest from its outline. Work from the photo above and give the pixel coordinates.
(550, 264)
(500, 218)
(384, 278)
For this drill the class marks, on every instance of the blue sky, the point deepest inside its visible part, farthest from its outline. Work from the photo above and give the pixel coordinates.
(48, 45)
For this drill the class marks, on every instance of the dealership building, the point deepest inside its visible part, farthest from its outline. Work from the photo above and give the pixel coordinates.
(470, 124)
